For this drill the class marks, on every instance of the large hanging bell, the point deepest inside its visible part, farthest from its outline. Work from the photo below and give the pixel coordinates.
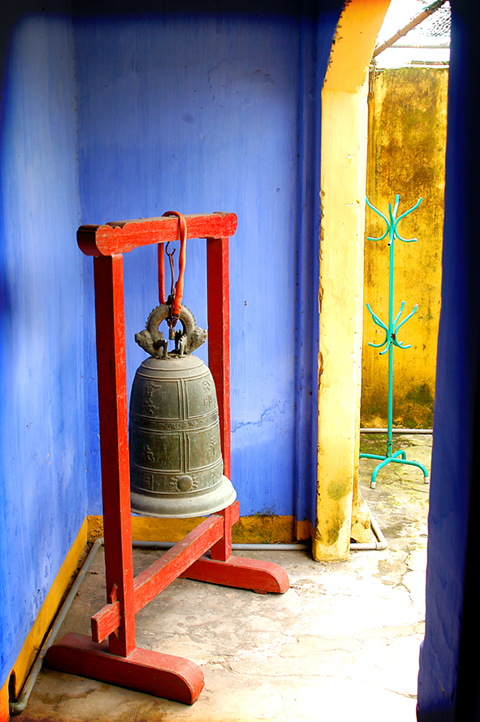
(176, 466)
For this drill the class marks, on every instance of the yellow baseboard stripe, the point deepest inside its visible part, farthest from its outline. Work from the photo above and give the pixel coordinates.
(258, 529)
(4, 702)
(47, 612)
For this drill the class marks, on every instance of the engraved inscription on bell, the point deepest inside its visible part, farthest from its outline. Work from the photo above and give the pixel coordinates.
(203, 447)
(165, 451)
(147, 454)
(156, 400)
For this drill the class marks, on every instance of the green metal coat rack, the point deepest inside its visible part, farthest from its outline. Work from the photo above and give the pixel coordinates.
(391, 340)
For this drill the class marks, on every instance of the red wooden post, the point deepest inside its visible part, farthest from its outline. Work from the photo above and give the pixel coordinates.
(218, 307)
(222, 550)
(112, 401)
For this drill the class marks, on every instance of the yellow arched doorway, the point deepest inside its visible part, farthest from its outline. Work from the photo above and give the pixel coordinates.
(343, 176)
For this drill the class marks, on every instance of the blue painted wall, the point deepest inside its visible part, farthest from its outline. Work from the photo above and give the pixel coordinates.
(43, 498)
(200, 112)
(108, 116)
(449, 679)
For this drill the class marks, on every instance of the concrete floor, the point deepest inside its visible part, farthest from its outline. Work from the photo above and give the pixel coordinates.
(341, 644)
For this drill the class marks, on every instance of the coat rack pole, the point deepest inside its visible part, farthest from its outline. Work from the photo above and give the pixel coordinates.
(391, 336)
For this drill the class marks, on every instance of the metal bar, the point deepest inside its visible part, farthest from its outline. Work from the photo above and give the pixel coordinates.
(409, 26)
(18, 706)
(374, 430)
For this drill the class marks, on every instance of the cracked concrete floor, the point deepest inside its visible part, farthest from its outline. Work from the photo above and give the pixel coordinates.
(341, 644)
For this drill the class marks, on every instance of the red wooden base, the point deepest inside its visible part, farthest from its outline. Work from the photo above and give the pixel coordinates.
(162, 675)
(261, 577)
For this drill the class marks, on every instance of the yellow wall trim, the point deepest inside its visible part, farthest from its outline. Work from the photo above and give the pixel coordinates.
(353, 45)
(258, 529)
(4, 702)
(47, 612)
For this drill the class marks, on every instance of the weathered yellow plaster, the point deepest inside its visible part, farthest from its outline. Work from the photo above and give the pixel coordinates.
(48, 611)
(258, 529)
(343, 173)
(406, 155)
(263, 529)
(303, 530)
(361, 523)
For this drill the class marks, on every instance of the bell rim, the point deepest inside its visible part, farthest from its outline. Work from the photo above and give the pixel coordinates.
(221, 495)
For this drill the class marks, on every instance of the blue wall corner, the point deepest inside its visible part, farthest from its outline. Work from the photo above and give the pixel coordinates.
(42, 487)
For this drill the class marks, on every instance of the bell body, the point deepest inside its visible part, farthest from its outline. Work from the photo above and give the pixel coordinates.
(176, 466)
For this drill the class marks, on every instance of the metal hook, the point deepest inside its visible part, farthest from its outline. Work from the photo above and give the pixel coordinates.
(172, 270)
(177, 288)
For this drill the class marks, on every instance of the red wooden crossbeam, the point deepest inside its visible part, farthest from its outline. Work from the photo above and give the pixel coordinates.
(124, 236)
(161, 573)
(119, 661)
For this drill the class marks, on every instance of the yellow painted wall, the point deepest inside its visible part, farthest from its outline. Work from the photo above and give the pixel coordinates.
(406, 156)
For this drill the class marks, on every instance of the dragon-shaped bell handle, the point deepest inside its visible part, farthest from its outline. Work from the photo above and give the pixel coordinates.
(186, 341)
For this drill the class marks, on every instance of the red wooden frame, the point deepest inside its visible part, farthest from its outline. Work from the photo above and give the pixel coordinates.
(119, 661)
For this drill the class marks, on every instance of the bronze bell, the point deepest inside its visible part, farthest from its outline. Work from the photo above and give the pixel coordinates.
(176, 466)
